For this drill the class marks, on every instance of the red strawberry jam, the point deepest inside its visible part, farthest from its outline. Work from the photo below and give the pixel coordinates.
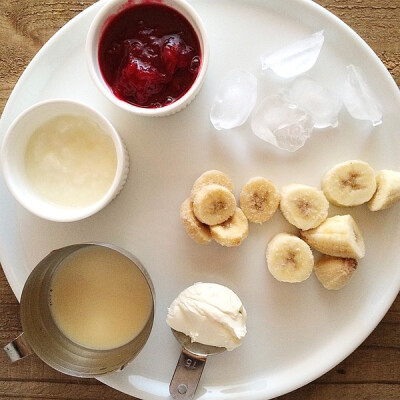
(149, 55)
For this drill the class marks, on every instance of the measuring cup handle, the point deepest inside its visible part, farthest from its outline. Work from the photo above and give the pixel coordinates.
(18, 348)
(186, 376)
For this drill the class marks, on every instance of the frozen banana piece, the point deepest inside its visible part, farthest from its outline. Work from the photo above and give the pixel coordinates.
(303, 206)
(213, 204)
(350, 183)
(289, 258)
(387, 190)
(334, 272)
(212, 177)
(337, 236)
(259, 199)
(231, 232)
(198, 231)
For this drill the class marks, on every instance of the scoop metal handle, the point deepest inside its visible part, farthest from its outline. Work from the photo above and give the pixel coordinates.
(187, 375)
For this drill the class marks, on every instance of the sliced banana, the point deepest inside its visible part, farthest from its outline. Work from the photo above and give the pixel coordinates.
(259, 199)
(334, 272)
(213, 204)
(233, 231)
(198, 231)
(289, 258)
(303, 206)
(387, 190)
(337, 236)
(350, 183)
(212, 177)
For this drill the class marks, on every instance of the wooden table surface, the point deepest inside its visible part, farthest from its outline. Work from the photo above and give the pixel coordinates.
(371, 372)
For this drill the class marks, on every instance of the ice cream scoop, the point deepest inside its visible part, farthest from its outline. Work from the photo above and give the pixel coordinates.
(190, 366)
(206, 319)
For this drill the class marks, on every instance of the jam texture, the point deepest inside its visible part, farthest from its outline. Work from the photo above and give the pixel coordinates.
(149, 55)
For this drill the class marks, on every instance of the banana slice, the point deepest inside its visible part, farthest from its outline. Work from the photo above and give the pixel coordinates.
(198, 231)
(259, 199)
(212, 177)
(303, 206)
(289, 258)
(387, 191)
(213, 204)
(349, 184)
(334, 272)
(337, 236)
(233, 231)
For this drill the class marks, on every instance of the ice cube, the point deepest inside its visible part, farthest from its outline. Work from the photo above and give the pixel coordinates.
(281, 124)
(321, 103)
(358, 98)
(295, 58)
(234, 100)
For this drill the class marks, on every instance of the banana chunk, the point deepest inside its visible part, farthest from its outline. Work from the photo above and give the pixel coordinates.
(387, 191)
(231, 232)
(259, 199)
(212, 177)
(337, 236)
(350, 183)
(303, 206)
(289, 258)
(334, 272)
(213, 204)
(196, 230)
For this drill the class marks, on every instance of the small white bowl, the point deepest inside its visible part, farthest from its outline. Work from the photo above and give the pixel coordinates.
(113, 7)
(13, 151)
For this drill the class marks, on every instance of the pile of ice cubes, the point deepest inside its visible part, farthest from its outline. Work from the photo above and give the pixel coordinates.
(287, 118)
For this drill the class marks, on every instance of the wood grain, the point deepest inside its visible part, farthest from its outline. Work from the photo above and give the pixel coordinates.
(371, 372)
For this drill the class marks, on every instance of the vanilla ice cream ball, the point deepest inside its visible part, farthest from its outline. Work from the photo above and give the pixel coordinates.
(210, 314)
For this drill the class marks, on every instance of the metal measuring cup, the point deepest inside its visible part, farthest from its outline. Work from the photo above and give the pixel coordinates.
(190, 366)
(42, 336)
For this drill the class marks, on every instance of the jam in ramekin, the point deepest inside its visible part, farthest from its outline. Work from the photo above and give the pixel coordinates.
(149, 55)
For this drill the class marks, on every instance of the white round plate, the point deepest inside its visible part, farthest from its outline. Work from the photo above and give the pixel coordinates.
(296, 332)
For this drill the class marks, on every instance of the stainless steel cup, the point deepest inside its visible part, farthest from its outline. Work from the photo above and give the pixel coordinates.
(42, 336)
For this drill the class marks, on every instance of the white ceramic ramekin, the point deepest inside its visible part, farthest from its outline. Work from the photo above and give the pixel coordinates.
(111, 8)
(13, 152)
